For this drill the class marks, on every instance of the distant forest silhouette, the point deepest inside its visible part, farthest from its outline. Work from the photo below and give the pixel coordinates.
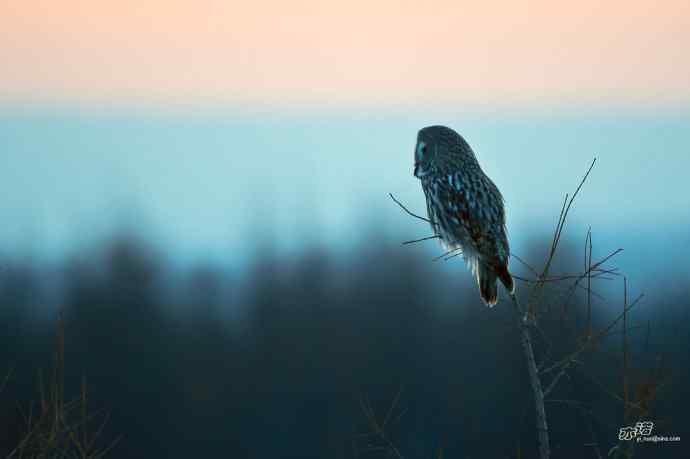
(313, 333)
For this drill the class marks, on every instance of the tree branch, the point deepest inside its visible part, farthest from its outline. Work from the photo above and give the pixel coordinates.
(535, 382)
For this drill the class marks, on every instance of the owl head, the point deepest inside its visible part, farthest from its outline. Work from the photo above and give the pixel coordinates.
(441, 150)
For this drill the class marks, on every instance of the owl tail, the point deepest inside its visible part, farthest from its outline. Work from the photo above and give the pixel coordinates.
(487, 277)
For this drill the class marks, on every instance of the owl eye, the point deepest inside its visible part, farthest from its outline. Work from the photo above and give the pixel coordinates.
(421, 149)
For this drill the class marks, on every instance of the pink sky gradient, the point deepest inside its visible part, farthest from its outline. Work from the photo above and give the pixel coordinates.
(347, 53)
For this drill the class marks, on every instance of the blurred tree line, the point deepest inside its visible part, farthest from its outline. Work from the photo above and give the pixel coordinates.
(316, 332)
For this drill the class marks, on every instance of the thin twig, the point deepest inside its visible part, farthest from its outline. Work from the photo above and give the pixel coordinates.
(408, 211)
(414, 241)
(594, 268)
(527, 265)
(565, 209)
(390, 410)
(376, 428)
(450, 252)
(555, 380)
(603, 333)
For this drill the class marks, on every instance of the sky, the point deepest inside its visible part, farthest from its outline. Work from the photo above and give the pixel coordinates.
(328, 55)
(206, 123)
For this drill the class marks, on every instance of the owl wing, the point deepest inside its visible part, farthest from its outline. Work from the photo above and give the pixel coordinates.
(475, 204)
(430, 208)
(471, 208)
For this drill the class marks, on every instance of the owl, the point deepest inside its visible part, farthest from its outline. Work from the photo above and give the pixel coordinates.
(464, 206)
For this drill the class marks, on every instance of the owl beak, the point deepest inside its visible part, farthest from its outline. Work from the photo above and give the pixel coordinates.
(418, 171)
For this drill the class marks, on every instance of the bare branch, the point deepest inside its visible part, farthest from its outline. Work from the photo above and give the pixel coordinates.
(414, 241)
(555, 380)
(377, 429)
(390, 410)
(450, 252)
(565, 209)
(524, 263)
(542, 427)
(408, 211)
(603, 333)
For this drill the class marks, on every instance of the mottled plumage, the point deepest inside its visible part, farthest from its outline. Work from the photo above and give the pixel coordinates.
(464, 206)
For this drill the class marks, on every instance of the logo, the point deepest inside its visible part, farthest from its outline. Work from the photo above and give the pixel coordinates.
(639, 430)
(642, 433)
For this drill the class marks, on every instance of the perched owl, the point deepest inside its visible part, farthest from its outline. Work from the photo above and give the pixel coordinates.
(464, 206)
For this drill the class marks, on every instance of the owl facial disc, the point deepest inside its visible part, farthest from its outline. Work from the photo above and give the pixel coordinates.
(420, 159)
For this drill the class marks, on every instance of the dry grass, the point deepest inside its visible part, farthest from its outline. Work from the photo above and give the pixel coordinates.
(56, 428)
